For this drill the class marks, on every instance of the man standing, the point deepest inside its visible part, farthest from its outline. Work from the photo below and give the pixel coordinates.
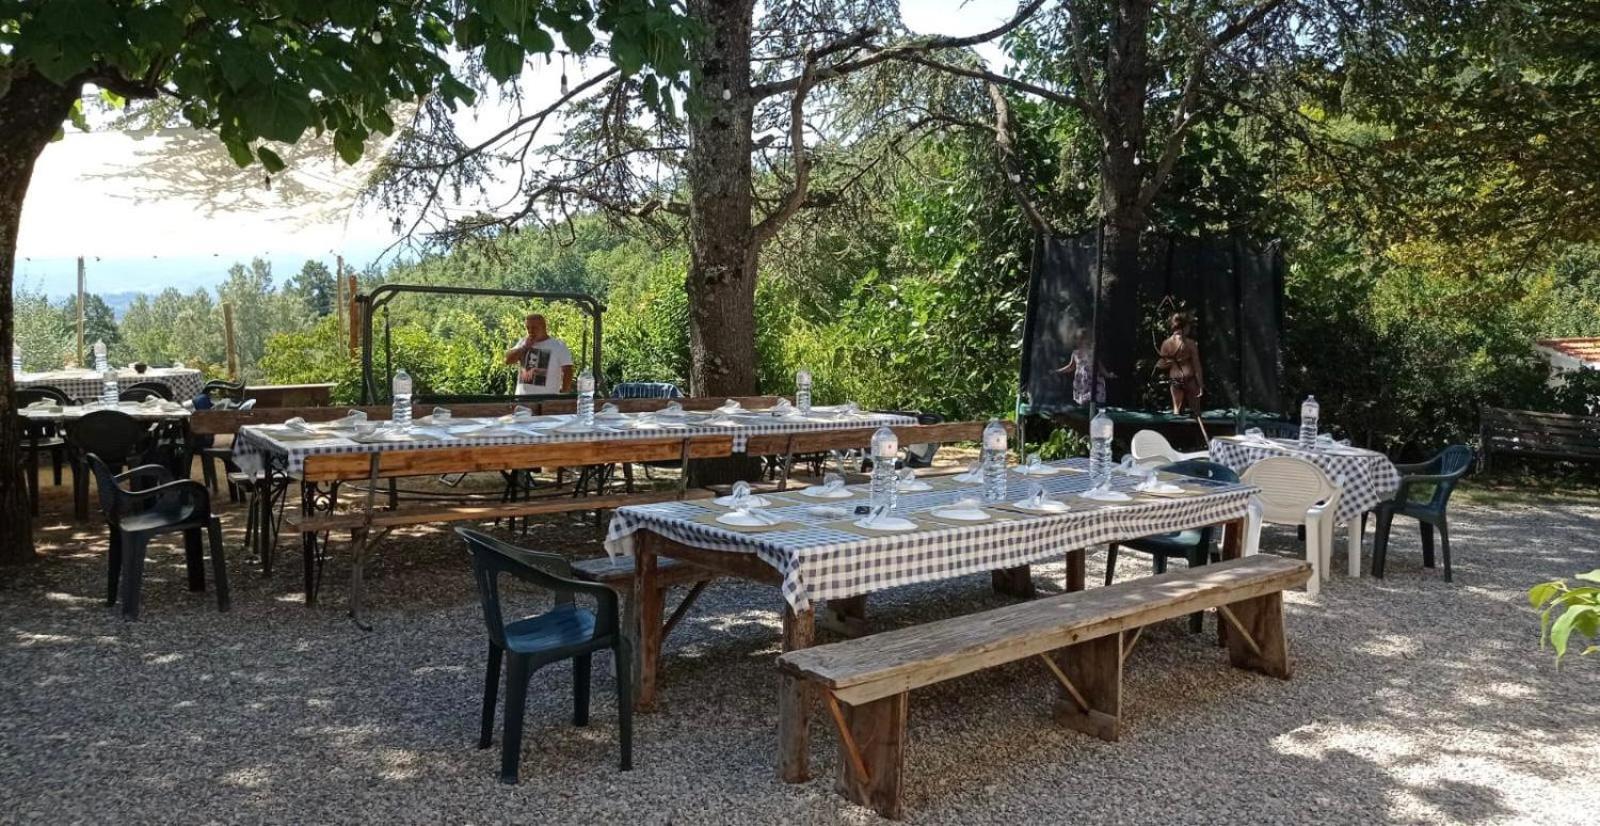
(544, 364)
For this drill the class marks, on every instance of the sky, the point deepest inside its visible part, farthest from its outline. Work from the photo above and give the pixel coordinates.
(163, 209)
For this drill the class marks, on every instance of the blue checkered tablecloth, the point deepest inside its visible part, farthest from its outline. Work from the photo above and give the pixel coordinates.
(1364, 477)
(819, 561)
(84, 385)
(255, 445)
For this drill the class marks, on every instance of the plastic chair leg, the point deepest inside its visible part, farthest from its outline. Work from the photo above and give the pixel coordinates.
(582, 667)
(1111, 563)
(1380, 542)
(1314, 533)
(623, 652)
(113, 566)
(1356, 529)
(1444, 546)
(133, 550)
(491, 692)
(194, 559)
(1427, 543)
(219, 564)
(516, 702)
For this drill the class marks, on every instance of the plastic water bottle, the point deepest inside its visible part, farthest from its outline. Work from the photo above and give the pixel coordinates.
(885, 484)
(1310, 411)
(802, 391)
(16, 359)
(402, 399)
(1100, 433)
(586, 398)
(993, 461)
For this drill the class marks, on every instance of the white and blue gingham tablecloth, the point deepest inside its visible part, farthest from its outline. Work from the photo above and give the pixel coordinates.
(1365, 477)
(84, 385)
(257, 444)
(819, 562)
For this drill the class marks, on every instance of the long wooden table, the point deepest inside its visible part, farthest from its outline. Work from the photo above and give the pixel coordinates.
(675, 531)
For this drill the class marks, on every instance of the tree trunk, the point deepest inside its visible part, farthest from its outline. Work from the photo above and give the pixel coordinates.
(1122, 175)
(722, 248)
(31, 110)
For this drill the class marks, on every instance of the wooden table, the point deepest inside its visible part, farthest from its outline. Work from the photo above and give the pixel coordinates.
(650, 542)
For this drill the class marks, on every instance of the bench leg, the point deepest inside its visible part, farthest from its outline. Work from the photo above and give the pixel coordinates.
(649, 608)
(1089, 697)
(1076, 560)
(1013, 582)
(872, 738)
(795, 698)
(846, 617)
(1255, 640)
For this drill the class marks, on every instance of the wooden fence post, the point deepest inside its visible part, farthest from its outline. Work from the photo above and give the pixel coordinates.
(227, 335)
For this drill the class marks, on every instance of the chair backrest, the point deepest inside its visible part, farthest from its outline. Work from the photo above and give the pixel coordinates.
(1202, 469)
(1289, 487)
(247, 404)
(492, 557)
(646, 390)
(39, 393)
(219, 389)
(154, 388)
(113, 436)
(1148, 445)
(1454, 462)
(139, 393)
(105, 477)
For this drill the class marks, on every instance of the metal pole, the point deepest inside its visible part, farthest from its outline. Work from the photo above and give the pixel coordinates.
(80, 310)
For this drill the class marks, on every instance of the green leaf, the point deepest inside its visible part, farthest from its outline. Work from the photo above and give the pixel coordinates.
(349, 145)
(270, 160)
(503, 59)
(1562, 629)
(1592, 576)
(240, 152)
(538, 41)
(280, 112)
(578, 38)
(1540, 594)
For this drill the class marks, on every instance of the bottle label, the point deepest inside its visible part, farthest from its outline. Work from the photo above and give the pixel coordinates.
(994, 440)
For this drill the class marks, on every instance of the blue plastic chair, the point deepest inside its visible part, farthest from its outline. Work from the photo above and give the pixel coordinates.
(1195, 546)
(1443, 472)
(566, 632)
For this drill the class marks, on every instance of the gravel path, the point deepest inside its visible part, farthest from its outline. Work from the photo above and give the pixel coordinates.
(1413, 701)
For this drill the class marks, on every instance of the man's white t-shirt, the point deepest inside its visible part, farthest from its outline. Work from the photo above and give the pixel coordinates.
(542, 367)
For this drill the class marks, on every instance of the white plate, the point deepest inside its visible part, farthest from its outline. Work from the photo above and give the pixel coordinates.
(887, 523)
(961, 514)
(914, 486)
(1050, 506)
(755, 501)
(1164, 487)
(743, 520)
(966, 478)
(827, 511)
(819, 492)
(1044, 470)
(1105, 496)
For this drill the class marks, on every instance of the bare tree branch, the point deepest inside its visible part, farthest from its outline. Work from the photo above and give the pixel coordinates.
(796, 198)
(1009, 167)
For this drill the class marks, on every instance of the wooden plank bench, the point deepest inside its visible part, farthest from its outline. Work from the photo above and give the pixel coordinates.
(1082, 638)
(1540, 435)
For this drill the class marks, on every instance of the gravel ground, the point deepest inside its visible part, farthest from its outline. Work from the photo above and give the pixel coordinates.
(1412, 701)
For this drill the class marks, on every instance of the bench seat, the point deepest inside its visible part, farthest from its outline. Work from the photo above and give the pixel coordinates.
(1081, 637)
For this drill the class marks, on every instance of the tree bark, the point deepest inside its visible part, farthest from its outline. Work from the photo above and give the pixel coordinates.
(31, 110)
(1121, 182)
(723, 251)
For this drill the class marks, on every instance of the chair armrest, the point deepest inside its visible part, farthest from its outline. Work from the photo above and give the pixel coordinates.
(1414, 468)
(1407, 482)
(556, 575)
(180, 492)
(159, 473)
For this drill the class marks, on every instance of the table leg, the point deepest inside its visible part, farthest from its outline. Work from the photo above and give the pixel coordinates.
(1013, 582)
(650, 613)
(795, 698)
(308, 539)
(1357, 523)
(1076, 560)
(1232, 548)
(846, 617)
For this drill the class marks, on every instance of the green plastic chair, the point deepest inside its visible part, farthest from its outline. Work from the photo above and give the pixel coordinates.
(1194, 546)
(1443, 472)
(566, 632)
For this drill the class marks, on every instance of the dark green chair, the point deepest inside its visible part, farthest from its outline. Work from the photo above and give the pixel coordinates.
(566, 632)
(1194, 546)
(1442, 472)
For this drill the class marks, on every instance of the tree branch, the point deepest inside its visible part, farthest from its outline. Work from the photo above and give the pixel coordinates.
(1036, 90)
(1006, 149)
(796, 198)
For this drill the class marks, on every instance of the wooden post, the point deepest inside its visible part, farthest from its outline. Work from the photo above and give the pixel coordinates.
(1014, 582)
(338, 289)
(1256, 642)
(795, 697)
(650, 610)
(80, 312)
(227, 337)
(1076, 563)
(353, 315)
(1090, 695)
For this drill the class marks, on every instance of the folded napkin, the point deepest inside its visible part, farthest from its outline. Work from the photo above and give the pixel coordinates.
(609, 411)
(351, 419)
(847, 410)
(673, 410)
(730, 407)
(974, 473)
(518, 414)
(783, 408)
(298, 425)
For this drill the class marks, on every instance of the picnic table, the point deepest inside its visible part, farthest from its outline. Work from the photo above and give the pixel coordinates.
(324, 455)
(813, 557)
(1365, 477)
(85, 385)
(145, 412)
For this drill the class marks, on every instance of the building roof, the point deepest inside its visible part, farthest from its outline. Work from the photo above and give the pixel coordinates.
(1586, 350)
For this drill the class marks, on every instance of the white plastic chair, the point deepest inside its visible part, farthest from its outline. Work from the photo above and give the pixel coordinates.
(1296, 492)
(1151, 448)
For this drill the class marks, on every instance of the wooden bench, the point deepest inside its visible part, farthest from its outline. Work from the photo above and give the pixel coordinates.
(1541, 435)
(618, 573)
(1082, 639)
